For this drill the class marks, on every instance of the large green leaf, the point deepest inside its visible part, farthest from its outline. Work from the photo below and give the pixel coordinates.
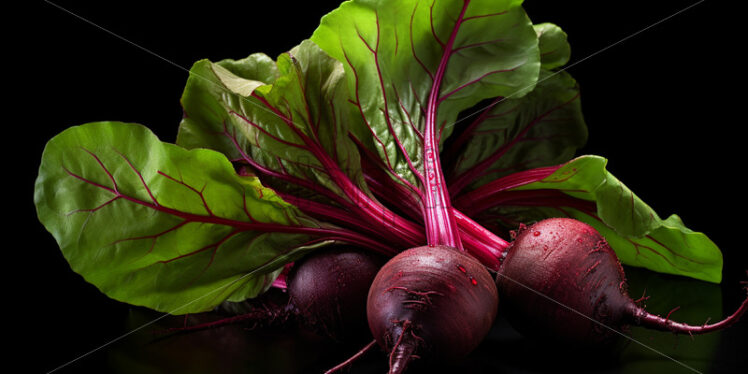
(152, 224)
(407, 58)
(635, 231)
(294, 126)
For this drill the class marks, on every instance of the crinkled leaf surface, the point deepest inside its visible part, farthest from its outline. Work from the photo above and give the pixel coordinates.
(153, 224)
(294, 126)
(637, 234)
(542, 128)
(205, 119)
(398, 54)
(511, 134)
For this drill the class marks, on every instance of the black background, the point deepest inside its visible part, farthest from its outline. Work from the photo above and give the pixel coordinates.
(666, 106)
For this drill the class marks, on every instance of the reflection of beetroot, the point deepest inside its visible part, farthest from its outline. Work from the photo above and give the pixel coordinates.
(431, 301)
(562, 281)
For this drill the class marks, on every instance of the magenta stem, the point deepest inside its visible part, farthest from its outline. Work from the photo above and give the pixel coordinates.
(484, 245)
(337, 216)
(357, 199)
(441, 228)
(472, 200)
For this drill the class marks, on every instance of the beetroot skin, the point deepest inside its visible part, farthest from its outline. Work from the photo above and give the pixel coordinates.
(576, 271)
(328, 291)
(433, 302)
(326, 294)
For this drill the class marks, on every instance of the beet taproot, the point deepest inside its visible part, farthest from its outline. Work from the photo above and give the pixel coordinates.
(431, 302)
(561, 281)
(329, 292)
(326, 294)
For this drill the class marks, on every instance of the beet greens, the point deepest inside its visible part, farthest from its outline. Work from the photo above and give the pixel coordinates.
(420, 131)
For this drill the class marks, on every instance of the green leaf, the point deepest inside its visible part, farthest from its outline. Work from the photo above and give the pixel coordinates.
(542, 128)
(554, 48)
(257, 67)
(637, 234)
(206, 121)
(152, 224)
(392, 51)
(295, 127)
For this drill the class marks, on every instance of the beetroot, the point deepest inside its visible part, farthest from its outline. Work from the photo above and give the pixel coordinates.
(433, 302)
(561, 281)
(326, 294)
(328, 291)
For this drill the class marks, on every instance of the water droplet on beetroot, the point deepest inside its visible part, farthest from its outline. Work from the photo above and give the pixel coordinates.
(545, 248)
(536, 233)
(473, 281)
(461, 268)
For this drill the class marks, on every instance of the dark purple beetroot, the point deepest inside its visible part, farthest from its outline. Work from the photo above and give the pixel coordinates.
(561, 281)
(326, 294)
(329, 291)
(431, 302)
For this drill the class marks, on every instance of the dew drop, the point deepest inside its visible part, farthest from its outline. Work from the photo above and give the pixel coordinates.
(536, 233)
(473, 281)
(461, 268)
(545, 248)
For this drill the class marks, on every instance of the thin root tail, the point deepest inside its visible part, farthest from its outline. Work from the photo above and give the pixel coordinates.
(404, 349)
(645, 319)
(353, 358)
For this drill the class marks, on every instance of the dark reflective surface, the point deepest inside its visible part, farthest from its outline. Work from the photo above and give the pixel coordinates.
(239, 349)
